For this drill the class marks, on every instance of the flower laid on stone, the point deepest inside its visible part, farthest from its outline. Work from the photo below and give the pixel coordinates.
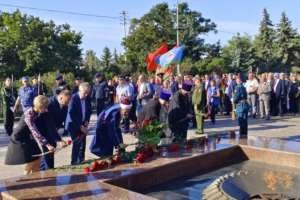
(141, 157)
(146, 152)
(174, 147)
(86, 170)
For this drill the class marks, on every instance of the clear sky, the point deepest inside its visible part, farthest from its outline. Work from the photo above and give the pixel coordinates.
(231, 16)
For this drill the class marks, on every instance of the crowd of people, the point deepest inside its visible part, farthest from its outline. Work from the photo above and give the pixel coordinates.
(124, 105)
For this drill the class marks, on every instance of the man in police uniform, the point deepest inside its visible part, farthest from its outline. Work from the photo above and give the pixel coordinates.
(39, 86)
(60, 85)
(8, 102)
(242, 106)
(26, 95)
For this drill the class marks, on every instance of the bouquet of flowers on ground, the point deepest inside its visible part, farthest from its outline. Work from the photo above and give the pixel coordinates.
(151, 132)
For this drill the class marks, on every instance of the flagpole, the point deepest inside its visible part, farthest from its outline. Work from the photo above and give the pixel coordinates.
(177, 32)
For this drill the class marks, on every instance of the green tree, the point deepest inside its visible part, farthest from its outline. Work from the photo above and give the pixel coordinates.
(106, 57)
(239, 54)
(158, 26)
(115, 57)
(287, 42)
(91, 61)
(29, 45)
(264, 43)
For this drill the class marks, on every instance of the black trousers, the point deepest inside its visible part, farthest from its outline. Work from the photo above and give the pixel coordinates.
(9, 121)
(100, 106)
(227, 104)
(132, 114)
(280, 105)
(294, 105)
(213, 112)
(243, 123)
(78, 150)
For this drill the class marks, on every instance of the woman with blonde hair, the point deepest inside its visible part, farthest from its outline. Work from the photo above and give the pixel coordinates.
(26, 141)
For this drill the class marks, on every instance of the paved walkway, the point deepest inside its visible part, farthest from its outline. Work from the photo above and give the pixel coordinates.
(277, 127)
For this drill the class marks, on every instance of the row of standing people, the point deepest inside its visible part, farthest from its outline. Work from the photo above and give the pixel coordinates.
(191, 98)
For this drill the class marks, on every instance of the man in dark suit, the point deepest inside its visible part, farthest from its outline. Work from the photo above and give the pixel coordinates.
(49, 122)
(280, 92)
(77, 122)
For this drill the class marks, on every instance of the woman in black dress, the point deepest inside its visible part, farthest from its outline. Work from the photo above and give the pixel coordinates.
(26, 140)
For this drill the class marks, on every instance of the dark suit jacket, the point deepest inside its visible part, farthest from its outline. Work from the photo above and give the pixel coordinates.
(48, 123)
(74, 117)
(280, 90)
(58, 114)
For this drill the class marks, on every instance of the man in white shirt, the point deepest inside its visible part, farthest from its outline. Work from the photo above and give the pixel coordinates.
(123, 90)
(251, 88)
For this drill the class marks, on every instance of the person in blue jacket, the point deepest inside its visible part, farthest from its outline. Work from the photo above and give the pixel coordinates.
(108, 129)
(242, 106)
(26, 94)
(78, 117)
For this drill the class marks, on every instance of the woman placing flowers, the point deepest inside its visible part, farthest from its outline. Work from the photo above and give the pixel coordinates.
(26, 140)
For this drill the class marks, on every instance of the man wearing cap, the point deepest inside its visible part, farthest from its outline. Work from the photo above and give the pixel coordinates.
(180, 112)
(39, 86)
(99, 92)
(199, 102)
(60, 85)
(242, 106)
(26, 95)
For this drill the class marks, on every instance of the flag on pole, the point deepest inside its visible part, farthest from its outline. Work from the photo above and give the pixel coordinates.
(152, 57)
(174, 56)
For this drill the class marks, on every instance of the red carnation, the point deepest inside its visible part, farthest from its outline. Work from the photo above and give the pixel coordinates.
(102, 164)
(86, 170)
(94, 166)
(141, 157)
(69, 142)
(146, 122)
(174, 148)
